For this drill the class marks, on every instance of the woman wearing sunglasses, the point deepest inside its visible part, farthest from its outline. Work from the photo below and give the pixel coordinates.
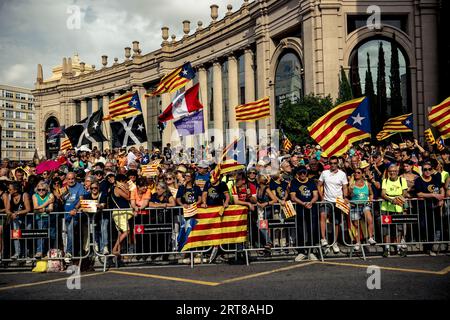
(43, 204)
(171, 183)
(361, 196)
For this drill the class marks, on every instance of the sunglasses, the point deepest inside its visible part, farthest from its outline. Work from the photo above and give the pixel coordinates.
(358, 172)
(94, 188)
(427, 169)
(169, 178)
(252, 173)
(41, 189)
(333, 162)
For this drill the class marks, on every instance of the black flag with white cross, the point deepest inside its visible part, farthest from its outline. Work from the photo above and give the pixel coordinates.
(128, 131)
(87, 130)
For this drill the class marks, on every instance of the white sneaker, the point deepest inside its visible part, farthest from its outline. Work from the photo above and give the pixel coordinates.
(357, 247)
(372, 241)
(335, 248)
(432, 254)
(105, 251)
(15, 257)
(312, 257)
(403, 244)
(283, 243)
(300, 257)
(276, 242)
(323, 242)
(67, 257)
(96, 248)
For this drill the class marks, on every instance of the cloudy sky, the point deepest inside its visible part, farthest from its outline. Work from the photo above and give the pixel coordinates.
(45, 31)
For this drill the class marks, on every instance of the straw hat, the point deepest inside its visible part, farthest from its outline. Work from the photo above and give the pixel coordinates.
(364, 164)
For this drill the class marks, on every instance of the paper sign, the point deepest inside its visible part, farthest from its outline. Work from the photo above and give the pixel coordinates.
(88, 205)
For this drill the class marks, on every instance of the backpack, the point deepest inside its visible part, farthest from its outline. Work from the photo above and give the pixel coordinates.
(54, 265)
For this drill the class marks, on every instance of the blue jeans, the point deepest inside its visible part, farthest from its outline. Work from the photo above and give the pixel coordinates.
(41, 245)
(20, 223)
(71, 228)
(101, 232)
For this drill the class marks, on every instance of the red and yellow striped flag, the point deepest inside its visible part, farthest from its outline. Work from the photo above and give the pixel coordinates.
(125, 106)
(190, 211)
(66, 145)
(439, 118)
(209, 228)
(253, 111)
(175, 80)
(151, 169)
(289, 210)
(403, 123)
(341, 126)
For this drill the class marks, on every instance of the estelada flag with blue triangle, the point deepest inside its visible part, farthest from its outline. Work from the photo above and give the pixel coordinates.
(343, 125)
(125, 106)
(403, 123)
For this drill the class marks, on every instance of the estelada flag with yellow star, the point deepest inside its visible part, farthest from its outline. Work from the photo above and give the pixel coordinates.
(175, 80)
(211, 228)
(403, 123)
(341, 126)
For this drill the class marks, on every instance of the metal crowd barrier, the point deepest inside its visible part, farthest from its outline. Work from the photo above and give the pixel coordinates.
(420, 222)
(153, 232)
(26, 236)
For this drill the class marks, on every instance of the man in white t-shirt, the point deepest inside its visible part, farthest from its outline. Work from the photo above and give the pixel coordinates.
(131, 156)
(334, 182)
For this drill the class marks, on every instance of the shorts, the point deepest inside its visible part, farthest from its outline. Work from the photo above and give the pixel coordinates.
(121, 219)
(329, 208)
(358, 211)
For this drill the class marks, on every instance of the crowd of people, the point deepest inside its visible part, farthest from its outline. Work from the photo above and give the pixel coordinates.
(390, 174)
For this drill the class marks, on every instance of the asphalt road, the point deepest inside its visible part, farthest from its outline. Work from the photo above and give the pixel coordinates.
(413, 277)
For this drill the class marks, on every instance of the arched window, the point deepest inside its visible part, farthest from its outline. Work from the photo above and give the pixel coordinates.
(288, 79)
(52, 143)
(380, 70)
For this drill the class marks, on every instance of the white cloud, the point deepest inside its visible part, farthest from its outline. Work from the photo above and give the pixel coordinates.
(15, 73)
(33, 32)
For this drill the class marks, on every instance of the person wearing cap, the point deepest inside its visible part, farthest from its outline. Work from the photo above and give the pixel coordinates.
(334, 182)
(430, 187)
(181, 170)
(286, 171)
(303, 193)
(202, 175)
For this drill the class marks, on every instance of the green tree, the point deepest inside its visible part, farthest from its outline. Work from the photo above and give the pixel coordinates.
(396, 95)
(345, 90)
(294, 118)
(370, 94)
(381, 86)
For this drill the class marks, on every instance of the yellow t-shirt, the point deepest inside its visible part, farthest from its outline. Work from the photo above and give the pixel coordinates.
(393, 189)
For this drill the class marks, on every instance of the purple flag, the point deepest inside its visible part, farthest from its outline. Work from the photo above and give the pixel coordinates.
(191, 124)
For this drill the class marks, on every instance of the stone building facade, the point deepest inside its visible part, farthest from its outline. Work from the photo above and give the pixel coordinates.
(278, 48)
(17, 123)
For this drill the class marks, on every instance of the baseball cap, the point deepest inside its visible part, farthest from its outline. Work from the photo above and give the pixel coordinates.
(203, 164)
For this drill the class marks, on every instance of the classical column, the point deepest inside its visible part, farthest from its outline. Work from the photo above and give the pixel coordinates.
(83, 109)
(233, 94)
(218, 104)
(94, 104)
(106, 123)
(203, 95)
(249, 94)
(263, 63)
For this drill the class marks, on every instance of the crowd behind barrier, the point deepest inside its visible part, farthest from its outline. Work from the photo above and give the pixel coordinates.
(375, 199)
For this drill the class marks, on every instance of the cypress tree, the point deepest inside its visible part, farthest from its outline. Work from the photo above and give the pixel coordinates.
(396, 95)
(345, 91)
(381, 85)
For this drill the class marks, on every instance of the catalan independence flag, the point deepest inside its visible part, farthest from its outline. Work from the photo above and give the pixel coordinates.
(175, 80)
(287, 144)
(125, 106)
(439, 118)
(403, 123)
(253, 111)
(341, 126)
(210, 228)
(66, 145)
